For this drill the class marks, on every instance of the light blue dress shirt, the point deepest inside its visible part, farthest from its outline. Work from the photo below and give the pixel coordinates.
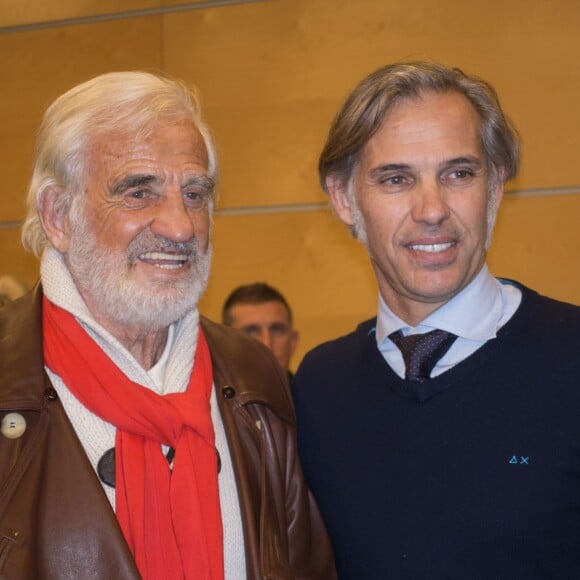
(475, 315)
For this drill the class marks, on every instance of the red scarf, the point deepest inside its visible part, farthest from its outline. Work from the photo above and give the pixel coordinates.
(171, 519)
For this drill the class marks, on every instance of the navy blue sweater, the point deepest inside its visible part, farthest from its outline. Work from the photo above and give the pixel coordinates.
(472, 475)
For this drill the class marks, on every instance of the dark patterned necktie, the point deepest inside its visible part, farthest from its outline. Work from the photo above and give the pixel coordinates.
(422, 351)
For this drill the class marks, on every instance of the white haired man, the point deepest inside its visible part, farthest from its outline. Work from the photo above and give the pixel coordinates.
(139, 439)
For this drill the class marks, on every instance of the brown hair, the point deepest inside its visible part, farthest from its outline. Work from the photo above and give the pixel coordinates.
(367, 105)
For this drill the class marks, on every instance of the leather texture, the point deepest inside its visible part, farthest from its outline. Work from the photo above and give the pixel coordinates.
(55, 520)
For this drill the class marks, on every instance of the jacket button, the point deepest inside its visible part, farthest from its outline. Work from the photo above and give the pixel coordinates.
(228, 393)
(51, 394)
(13, 425)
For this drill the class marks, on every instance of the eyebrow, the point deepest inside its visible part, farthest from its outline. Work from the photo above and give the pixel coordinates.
(389, 167)
(250, 327)
(204, 181)
(133, 181)
(463, 160)
(140, 180)
(377, 172)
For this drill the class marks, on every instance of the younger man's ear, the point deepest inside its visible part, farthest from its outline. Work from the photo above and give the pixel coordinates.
(339, 198)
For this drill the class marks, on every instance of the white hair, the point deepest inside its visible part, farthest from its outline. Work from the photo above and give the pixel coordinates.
(113, 103)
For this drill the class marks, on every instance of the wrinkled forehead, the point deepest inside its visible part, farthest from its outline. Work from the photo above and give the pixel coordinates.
(162, 141)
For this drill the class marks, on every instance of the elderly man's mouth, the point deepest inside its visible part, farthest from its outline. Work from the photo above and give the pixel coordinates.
(164, 261)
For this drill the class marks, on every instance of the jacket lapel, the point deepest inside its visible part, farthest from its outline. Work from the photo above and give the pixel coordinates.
(52, 504)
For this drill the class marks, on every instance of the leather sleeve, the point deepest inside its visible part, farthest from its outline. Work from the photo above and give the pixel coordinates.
(284, 533)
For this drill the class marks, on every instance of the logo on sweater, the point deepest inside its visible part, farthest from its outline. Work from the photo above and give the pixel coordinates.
(519, 460)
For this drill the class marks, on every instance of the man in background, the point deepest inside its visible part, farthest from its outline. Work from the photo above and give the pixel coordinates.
(441, 438)
(138, 439)
(262, 312)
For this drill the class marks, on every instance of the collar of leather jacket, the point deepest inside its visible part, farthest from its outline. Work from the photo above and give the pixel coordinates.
(22, 362)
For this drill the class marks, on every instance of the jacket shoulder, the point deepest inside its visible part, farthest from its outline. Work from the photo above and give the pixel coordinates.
(21, 358)
(249, 367)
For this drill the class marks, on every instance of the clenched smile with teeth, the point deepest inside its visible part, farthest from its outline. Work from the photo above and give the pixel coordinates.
(431, 248)
(165, 261)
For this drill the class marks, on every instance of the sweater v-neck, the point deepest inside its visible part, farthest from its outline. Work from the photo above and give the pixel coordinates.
(423, 391)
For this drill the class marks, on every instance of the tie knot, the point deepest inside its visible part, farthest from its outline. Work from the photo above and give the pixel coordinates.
(422, 351)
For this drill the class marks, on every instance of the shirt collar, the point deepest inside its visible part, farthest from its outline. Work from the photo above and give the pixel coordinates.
(475, 313)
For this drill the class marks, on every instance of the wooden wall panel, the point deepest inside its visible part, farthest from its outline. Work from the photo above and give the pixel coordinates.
(537, 242)
(309, 256)
(14, 261)
(272, 74)
(32, 13)
(40, 65)
(272, 158)
(276, 72)
(37, 66)
(18, 13)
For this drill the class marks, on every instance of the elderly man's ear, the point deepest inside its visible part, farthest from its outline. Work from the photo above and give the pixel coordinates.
(340, 199)
(54, 219)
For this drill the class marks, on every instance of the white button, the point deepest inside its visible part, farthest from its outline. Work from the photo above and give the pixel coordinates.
(13, 425)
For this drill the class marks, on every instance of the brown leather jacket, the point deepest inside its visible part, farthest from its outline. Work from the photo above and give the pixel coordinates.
(55, 520)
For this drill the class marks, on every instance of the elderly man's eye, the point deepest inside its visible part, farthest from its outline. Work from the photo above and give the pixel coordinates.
(196, 199)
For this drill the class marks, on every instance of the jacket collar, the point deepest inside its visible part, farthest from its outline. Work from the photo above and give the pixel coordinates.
(24, 381)
(254, 367)
(23, 378)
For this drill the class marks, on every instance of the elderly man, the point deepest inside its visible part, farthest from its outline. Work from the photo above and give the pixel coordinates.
(441, 438)
(262, 312)
(138, 439)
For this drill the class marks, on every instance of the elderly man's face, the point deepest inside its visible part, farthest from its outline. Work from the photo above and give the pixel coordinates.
(140, 251)
(420, 202)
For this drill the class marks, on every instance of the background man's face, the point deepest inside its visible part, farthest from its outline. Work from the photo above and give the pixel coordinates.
(420, 202)
(140, 252)
(269, 323)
